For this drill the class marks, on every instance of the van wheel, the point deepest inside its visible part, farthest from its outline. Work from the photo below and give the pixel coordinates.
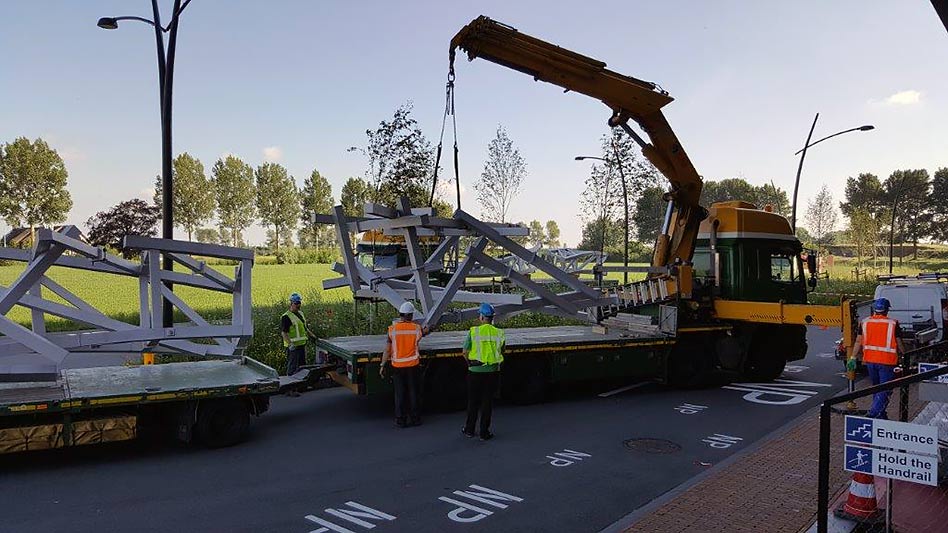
(222, 422)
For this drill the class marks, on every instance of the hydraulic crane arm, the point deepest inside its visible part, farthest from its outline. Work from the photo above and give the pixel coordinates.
(628, 97)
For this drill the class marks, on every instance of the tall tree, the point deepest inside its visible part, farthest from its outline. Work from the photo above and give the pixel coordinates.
(315, 197)
(32, 184)
(536, 233)
(864, 192)
(193, 200)
(908, 191)
(131, 217)
(355, 192)
(821, 217)
(938, 228)
(863, 233)
(603, 234)
(649, 214)
(501, 178)
(278, 203)
(207, 235)
(236, 194)
(603, 195)
(400, 160)
(552, 239)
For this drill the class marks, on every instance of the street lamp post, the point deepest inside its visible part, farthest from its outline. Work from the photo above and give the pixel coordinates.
(625, 204)
(802, 153)
(165, 83)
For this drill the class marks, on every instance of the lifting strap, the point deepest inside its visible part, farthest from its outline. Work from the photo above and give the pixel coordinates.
(448, 110)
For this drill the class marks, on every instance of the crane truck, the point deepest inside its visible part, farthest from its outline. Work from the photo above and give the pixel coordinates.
(732, 273)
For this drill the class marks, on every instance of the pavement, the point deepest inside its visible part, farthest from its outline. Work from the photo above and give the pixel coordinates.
(331, 461)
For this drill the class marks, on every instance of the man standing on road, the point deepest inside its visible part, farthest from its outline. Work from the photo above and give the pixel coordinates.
(483, 349)
(401, 349)
(295, 333)
(880, 346)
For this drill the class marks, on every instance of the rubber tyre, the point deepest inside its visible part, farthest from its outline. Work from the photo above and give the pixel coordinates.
(690, 364)
(765, 369)
(770, 349)
(223, 422)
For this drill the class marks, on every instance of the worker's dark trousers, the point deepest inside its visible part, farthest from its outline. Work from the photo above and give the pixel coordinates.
(406, 383)
(295, 358)
(480, 398)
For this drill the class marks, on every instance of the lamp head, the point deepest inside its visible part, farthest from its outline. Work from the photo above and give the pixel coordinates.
(867, 127)
(107, 23)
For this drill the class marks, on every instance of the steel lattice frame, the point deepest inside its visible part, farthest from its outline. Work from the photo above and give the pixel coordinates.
(46, 351)
(412, 223)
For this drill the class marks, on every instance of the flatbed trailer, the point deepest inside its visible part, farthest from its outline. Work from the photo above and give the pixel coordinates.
(534, 359)
(210, 400)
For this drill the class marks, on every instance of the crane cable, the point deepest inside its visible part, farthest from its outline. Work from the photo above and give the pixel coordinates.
(448, 110)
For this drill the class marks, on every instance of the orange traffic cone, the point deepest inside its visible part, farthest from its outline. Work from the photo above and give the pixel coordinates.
(861, 503)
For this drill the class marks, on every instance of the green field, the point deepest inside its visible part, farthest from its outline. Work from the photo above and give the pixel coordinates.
(333, 312)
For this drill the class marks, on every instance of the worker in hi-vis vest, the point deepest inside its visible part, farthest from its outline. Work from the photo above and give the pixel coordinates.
(295, 333)
(880, 345)
(401, 351)
(483, 349)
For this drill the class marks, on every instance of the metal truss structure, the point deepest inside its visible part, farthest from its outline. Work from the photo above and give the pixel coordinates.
(36, 354)
(569, 260)
(413, 223)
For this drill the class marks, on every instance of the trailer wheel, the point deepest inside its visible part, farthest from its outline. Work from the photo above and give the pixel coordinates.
(222, 422)
(771, 347)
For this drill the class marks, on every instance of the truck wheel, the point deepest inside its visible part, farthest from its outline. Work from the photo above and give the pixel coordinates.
(764, 366)
(223, 422)
(690, 364)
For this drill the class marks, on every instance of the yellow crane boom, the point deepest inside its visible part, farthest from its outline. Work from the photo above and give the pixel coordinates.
(627, 97)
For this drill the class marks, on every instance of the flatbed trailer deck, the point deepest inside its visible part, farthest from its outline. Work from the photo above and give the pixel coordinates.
(533, 358)
(214, 398)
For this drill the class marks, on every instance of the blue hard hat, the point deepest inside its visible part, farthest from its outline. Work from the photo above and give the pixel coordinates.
(295, 298)
(881, 305)
(487, 309)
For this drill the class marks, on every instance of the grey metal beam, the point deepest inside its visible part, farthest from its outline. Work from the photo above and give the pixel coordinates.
(33, 272)
(437, 256)
(524, 282)
(16, 254)
(372, 208)
(94, 253)
(523, 253)
(138, 242)
(37, 319)
(38, 344)
(202, 268)
(345, 245)
(433, 316)
(193, 280)
(417, 260)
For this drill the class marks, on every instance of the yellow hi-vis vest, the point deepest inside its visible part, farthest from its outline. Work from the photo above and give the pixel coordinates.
(486, 343)
(297, 331)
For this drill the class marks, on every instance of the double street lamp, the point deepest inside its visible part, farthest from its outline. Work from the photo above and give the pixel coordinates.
(625, 204)
(802, 153)
(165, 82)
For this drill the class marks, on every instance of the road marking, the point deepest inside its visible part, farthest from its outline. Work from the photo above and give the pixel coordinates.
(780, 390)
(690, 408)
(623, 389)
(354, 516)
(826, 355)
(795, 369)
(563, 458)
(721, 441)
(481, 495)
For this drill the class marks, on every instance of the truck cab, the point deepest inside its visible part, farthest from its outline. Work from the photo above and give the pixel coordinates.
(756, 256)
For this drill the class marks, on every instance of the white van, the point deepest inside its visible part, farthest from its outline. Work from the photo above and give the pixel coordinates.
(918, 303)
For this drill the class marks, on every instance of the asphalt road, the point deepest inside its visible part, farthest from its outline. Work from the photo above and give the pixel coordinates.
(330, 461)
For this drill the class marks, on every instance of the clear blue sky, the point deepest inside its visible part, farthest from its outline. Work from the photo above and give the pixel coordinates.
(302, 80)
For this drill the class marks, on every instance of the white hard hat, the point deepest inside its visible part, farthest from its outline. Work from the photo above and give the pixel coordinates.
(406, 309)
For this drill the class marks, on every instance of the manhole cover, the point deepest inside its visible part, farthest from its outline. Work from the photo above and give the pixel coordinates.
(647, 445)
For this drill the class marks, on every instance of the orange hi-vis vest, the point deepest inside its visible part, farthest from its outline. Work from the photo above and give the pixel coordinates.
(879, 340)
(404, 337)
